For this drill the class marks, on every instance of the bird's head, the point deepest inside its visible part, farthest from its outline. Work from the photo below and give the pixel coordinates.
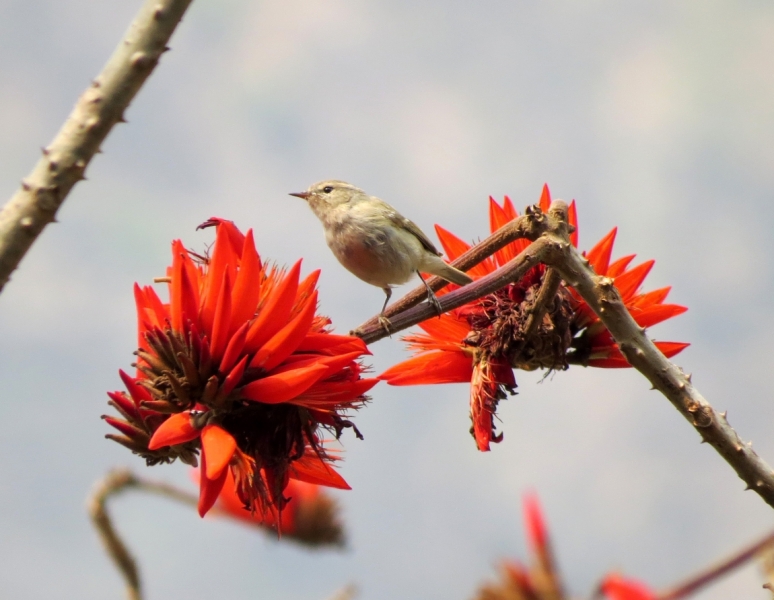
(326, 195)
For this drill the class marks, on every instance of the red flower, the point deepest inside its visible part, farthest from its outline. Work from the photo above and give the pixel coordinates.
(309, 517)
(239, 366)
(483, 341)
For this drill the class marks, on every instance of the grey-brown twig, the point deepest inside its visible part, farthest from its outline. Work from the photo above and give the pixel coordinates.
(98, 109)
(114, 483)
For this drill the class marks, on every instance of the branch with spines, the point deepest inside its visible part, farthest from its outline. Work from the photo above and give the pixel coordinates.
(551, 246)
(98, 109)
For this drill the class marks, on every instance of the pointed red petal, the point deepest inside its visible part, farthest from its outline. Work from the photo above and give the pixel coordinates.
(223, 260)
(431, 367)
(125, 405)
(247, 286)
(454, 247)
(233, 378)
(449, 328)
(669, 349)
(221, 319)
(331, 394)
(510, 211)
(218, 445)
(599, 255)
(619, 266)
(497, 218)
(305, 288)
(138, 393)
(536, 526)
(284, 386)
(209, 489)
(656, 313)
(183, 298)
(287, 339)
(629, 282)
(234, 349)
(572, 218)
(650, 298)
(545, 198)
(322, 342)
(275, 312)
(177, 429)
(314, 470)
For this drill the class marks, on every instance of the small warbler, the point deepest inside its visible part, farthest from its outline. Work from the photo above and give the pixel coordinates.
(373, 241)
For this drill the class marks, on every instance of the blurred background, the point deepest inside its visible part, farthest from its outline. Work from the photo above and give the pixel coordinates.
(656, 116)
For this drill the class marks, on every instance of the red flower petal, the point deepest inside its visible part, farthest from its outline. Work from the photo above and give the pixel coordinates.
(223, 262)
(234, 349)
(287, 339)
(654, 297)
(284, 386)
(431, 367)
(218, 446)
(247, 285)
(629, 282)
(545, 199)
(321, 342)
(138, 393)
(599, 255)
(572, 218)
(619, 266)
(314, 470)
(454, 247)
(177, 429)
(276, 311)
(449, 327)
(536, 527)
(209, 489)
(221, 319)
(330, 394)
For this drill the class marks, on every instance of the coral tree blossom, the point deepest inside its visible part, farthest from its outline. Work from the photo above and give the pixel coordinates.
(483, 341)
(238, 367)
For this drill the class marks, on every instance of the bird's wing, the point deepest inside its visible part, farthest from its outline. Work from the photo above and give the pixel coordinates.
(398, 220)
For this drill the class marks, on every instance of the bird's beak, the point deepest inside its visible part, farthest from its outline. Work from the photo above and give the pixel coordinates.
(303, 195)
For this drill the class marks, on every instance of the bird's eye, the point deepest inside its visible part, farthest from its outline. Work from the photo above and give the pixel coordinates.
(327, 189)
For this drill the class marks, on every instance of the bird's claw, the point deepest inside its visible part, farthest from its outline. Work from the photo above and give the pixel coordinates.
(432, 299)
(385, 323)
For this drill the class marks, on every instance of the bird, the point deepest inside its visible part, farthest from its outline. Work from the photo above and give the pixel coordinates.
(374, 242)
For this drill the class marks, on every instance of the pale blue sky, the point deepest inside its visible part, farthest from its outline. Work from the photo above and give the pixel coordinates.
(655, 115)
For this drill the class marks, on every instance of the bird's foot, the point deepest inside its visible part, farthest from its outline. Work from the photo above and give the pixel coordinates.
(433, 299)
(385, 323)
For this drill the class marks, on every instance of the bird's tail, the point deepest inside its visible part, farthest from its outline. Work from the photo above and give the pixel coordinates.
(436, 266)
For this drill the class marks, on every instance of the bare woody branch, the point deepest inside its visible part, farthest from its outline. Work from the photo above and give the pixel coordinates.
(98, 109)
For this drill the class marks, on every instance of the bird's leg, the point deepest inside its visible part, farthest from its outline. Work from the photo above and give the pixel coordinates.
(431, 297)
(384, 321)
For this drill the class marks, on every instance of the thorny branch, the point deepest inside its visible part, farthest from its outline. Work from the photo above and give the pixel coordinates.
(552, 247)
(98, 109)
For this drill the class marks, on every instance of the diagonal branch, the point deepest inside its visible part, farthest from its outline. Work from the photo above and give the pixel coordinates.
(98, 109)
